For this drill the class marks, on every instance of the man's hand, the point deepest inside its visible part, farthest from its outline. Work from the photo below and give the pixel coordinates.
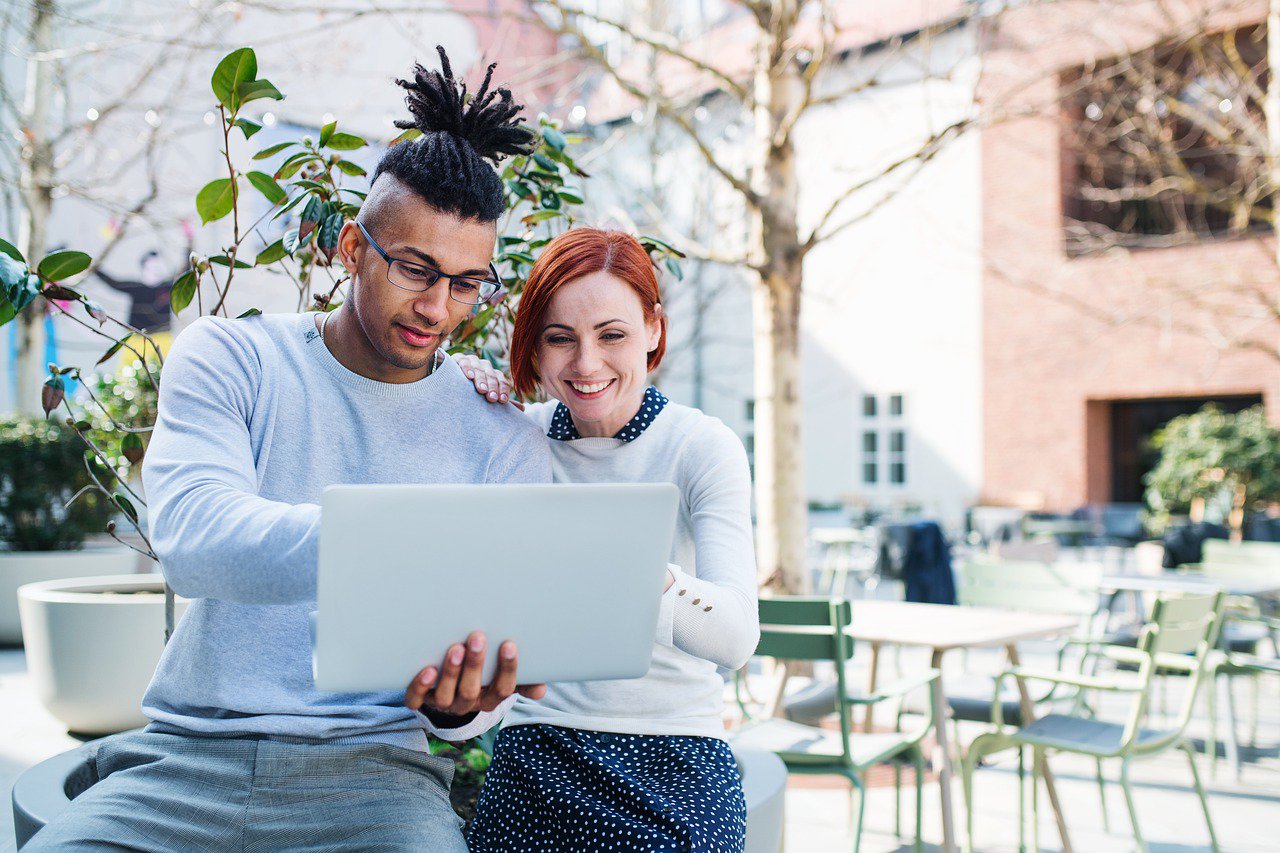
(454, 687)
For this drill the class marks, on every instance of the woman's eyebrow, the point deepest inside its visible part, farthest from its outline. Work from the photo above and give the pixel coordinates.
(610, 322)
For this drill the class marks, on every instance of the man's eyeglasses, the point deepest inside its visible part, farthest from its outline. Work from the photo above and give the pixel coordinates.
(418, 277)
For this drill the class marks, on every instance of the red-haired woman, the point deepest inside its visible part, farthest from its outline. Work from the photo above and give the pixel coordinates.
(639, 764)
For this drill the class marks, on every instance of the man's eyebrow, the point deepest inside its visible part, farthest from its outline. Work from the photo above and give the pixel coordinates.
(432, 262)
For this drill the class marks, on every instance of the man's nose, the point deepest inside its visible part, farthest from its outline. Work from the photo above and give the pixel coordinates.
(432, 304)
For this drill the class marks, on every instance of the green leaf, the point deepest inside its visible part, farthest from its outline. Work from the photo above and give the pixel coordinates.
(345, 142)
(271, 253)
(215, 200)
(255, 89)
(223, 260)
(12, 272)
(519, 189)
(268, 187)
(125, 504)
(6, 310)
(326, 133)
(572, 196)
(297, 200)
(408, 136)
(329, 230)
(652, 243)
(131, 447)
(252, 312)
(55, 389)
(236, 68)
(311, 216)
(554, 138)
(540, 216)
(180, 295)
(546, 162)
(291, 166)
(12, 251)
(115, 348)
(249, 126)
(349, 168)
(60, 265)
(57, 291)
(272, 150)
(95, 311)
(673, 267)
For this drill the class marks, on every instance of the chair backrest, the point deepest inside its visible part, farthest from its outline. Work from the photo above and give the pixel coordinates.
(1241, 559)
(1184, 626)
(1031, 586)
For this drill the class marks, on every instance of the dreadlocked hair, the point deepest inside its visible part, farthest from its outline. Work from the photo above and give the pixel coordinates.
(447, 164)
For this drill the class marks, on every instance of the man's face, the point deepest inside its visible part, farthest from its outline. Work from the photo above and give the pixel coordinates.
(403, 327)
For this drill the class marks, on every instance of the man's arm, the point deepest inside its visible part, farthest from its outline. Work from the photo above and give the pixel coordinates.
(215, 536)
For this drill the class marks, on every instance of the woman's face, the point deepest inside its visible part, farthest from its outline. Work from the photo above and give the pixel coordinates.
(593, 351)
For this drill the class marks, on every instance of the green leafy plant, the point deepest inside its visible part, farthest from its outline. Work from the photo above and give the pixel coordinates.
(1212, 455)
(42, 470)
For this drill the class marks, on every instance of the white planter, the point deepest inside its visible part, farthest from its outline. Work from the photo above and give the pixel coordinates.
(92, 646)
(24, 567)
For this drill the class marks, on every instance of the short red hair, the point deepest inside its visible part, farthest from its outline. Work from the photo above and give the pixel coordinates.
(569, 257)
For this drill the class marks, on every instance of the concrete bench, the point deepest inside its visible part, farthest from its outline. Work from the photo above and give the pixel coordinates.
(45, 790)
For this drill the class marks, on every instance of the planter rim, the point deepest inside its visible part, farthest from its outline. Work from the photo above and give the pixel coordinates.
(81, 590)
(96, 550)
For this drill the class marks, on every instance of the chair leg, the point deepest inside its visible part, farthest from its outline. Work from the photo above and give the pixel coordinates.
(1102, 796)
(917, 759)
(860, 791)
(1128, 800)
(1204, 801)
(1233, 745)
(1253, 710)
(897, 799)
(1035, 799)
(1211, 705)
(1022, 800)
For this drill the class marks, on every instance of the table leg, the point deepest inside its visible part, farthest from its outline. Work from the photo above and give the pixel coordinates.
(1042, 764)
(942, 755)
(871, 686)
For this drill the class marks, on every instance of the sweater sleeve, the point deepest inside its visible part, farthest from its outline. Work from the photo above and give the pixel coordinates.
(478, 725)
(215, 536)
(713, 615)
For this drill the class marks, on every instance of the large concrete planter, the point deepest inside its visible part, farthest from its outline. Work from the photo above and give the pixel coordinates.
(23, 567)
(92, 645)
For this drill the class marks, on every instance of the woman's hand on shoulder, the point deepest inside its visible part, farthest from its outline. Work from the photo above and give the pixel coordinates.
(489, 383)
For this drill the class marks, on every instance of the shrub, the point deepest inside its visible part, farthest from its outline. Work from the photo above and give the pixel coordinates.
(42, 467)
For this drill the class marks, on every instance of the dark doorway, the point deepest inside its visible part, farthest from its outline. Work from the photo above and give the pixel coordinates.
(1132, 424)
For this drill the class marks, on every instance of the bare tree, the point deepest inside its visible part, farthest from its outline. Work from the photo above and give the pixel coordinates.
(785, 74)
(60, 149)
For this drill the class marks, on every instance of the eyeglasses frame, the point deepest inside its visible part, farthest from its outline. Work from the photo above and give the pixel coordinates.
(499, 287)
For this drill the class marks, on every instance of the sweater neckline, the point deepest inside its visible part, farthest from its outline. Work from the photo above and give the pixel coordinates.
(562, 427)
(315, 345)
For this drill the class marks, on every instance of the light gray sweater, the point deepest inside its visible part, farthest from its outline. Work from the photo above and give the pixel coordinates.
(256, 418)
(708, 617)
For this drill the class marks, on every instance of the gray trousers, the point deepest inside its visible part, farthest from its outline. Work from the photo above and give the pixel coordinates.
(161, 792)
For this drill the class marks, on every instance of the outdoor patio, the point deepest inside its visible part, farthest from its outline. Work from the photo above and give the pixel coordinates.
(818, 817)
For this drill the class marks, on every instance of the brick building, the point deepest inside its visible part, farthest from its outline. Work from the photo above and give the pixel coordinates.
(1085, 353)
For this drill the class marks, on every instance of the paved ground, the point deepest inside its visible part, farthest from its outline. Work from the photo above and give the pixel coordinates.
(1246, 813)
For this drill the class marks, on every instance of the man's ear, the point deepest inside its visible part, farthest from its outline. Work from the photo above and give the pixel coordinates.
(348, 242)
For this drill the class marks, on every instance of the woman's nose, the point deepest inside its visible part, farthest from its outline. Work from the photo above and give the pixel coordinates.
(586, 360)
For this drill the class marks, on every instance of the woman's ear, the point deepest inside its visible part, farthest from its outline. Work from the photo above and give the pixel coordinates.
(654, 326)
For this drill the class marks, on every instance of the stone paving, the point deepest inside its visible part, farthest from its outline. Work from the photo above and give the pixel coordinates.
(1246, 813)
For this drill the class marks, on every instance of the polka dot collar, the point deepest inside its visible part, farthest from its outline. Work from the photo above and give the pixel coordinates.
(562, 428)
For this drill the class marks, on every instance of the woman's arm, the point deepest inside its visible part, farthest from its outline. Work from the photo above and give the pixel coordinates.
(714, 615)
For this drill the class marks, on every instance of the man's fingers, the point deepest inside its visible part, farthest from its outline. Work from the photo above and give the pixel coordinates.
(447, 683)
(469, 683)
(532, 691)
(422, 683)
(504, 680)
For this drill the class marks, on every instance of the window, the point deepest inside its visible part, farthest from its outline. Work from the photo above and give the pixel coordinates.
(750, 409)
(897, 457)
(868, 406)
(870, 462)
(1156, 143)
(895, 405)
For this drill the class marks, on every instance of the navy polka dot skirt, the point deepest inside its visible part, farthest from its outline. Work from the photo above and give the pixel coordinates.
(552, 788)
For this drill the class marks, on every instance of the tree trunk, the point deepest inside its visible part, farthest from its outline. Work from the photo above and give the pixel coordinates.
(36, 182)
(1271, 109)
(779, 456)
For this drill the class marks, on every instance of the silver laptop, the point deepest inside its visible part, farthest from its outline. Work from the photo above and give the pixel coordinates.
(572, 572)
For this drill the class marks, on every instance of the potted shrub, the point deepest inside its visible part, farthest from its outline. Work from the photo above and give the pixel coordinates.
(43, 531)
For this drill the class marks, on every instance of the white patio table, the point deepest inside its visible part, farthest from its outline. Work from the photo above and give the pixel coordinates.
(941, 628)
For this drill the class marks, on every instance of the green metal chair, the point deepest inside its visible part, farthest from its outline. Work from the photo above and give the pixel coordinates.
(813, 629)
(1180, 634)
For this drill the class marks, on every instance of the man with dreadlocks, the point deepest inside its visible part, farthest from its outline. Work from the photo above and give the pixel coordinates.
(257, 416)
